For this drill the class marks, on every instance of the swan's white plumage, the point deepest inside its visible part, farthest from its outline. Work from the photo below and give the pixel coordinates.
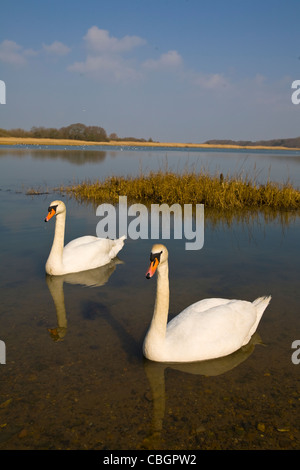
(81, 254)
(207, 329)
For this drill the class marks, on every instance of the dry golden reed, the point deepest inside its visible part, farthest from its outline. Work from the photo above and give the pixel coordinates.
(215, 192)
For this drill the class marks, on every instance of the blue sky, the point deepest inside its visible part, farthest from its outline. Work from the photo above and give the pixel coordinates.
(170, 70)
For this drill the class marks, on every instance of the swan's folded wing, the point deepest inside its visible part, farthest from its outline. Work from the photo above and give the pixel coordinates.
(211, 328)
(79, 242)
(90, 252)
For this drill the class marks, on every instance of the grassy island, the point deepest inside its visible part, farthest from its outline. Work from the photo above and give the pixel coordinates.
(215, 192)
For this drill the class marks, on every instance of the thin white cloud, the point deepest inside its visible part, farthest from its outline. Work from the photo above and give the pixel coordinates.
(56, 48)
(209, 81)
(99, 41)
(105, 67)
(169, 59)
(105, 56)
(14, 54)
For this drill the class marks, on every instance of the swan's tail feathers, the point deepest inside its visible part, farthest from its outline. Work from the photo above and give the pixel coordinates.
(260, 304)
(117, 246)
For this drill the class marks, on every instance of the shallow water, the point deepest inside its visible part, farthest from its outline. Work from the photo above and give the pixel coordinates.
(47, 167)
(75, 377)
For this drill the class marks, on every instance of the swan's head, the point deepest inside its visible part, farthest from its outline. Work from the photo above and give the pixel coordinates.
(55, 208)
(158, 256)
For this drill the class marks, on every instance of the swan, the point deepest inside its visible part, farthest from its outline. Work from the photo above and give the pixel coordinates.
(81, 254)
(207, 329)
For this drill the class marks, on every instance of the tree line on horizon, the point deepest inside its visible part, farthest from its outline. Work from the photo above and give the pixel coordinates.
(293, 142)
(77, 131)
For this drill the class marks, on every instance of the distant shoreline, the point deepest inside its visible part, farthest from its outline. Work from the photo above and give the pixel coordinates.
(70, 143)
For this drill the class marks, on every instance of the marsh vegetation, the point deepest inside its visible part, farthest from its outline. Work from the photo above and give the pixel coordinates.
(215, 192)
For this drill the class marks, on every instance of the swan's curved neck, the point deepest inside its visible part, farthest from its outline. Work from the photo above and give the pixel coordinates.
(161, 308)
(56, 252)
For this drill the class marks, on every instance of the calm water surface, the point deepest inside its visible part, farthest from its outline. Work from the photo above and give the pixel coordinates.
(51, 166)
(75, 377)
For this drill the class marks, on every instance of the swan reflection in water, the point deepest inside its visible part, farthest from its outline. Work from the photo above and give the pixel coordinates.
(155, 373)
(91, 278)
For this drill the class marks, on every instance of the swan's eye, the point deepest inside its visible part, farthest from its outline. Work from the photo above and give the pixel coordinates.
(154, 256)
(52, 208)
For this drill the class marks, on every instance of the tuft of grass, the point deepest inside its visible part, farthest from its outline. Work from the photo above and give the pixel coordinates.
(35, 192)
(215, 192)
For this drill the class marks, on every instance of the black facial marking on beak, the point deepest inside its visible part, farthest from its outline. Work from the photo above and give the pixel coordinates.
(154, 262)
(155, 255)
(51, 212)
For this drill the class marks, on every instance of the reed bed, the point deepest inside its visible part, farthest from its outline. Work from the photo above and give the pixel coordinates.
(215, 192)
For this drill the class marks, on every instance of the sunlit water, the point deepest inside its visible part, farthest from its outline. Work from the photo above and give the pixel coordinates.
(75, 376)
(58, 165)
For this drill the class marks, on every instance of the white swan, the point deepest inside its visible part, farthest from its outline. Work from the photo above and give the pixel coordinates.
(207, 329)
(81, 254)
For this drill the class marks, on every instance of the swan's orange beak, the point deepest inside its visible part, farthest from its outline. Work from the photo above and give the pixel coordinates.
(51, 213)
(152, 268)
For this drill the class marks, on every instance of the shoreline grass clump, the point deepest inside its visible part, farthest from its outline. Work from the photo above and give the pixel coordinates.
(215, 192)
